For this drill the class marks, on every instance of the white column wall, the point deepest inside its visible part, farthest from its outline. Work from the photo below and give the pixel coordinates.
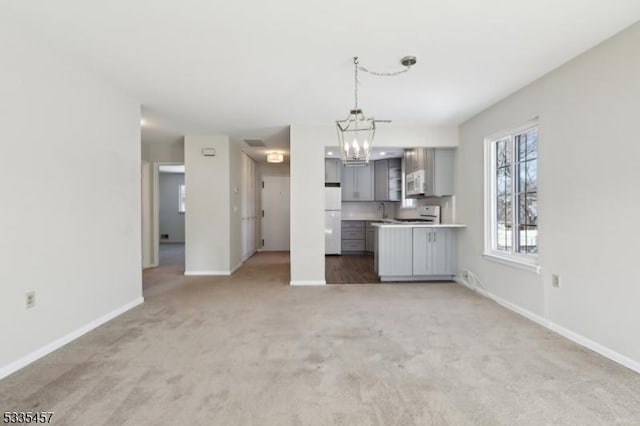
(207, 216)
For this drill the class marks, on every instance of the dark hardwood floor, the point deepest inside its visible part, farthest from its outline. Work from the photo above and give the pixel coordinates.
(350, 269)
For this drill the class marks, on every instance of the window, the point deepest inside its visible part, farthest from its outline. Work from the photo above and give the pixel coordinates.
(511, 196)
(181, 199)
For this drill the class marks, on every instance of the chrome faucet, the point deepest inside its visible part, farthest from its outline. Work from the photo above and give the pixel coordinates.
(384, 210)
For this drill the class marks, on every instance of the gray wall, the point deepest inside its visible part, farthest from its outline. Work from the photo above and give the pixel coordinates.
(170, 220)
(72, 144)
(588, 198)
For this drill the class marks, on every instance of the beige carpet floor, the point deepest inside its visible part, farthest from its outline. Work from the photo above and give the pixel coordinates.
(249, 350)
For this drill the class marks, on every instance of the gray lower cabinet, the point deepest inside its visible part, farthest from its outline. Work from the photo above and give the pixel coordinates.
(353, 236)
(369, 240)
(357, 183)
(433, 251)
(415, 254)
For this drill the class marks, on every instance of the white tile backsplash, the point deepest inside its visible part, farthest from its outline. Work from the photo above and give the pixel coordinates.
(367, 210)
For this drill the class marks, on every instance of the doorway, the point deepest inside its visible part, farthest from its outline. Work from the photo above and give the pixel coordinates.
(170, 208)
(275, 213)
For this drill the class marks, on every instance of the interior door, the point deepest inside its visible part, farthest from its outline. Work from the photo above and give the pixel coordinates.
(275, 207)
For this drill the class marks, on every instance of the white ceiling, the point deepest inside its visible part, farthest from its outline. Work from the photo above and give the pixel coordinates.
(249, 69)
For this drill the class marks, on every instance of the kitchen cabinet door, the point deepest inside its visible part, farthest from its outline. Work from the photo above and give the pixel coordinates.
(364, 183)
(357, 183)
(421, 251)
(347, 183)
(394, 252)
(440, 248)
(381, 180)
(332, 170)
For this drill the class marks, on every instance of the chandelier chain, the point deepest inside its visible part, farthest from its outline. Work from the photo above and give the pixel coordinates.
(355, 90)
(383, 74)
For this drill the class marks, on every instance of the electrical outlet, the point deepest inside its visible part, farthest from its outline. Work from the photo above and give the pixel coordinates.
(31, 299)
(555, 280)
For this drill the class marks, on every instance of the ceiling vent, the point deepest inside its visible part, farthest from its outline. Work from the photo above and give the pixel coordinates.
(254, 142)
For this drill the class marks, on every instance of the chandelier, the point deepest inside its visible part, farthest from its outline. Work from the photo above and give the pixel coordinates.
(356, 132)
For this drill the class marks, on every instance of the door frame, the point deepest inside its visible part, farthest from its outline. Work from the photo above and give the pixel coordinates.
(261, 218)
(156, 208)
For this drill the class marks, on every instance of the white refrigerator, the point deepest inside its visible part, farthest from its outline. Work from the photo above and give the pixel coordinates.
(332, 220)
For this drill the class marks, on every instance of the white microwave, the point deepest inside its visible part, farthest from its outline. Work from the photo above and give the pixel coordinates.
(415, 183)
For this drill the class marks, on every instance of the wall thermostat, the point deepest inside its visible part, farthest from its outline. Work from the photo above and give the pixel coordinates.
(209, 152)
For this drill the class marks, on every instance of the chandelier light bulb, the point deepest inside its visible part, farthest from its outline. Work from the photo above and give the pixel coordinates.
(365, 145)
(355, 144)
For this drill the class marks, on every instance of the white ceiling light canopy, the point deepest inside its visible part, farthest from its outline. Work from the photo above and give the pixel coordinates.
(356, 132)
(275, 157)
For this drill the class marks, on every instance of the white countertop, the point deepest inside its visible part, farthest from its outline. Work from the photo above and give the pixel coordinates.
(419, 225)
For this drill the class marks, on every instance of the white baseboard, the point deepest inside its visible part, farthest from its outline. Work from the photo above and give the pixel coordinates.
(198, 273)
(235, 268)
(301, 283)
(564, 332)
(596, 347)
(58, 343)
(152, 265)
(519, 310)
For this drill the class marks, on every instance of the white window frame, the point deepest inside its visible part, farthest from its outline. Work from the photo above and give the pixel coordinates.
(181, 198)
(526, 261)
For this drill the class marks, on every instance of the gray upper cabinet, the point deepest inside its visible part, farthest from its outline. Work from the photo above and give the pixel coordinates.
(332, 168)
(437, 164)
(442, 171)
(357, 183)
(388, 179)
(381, 168)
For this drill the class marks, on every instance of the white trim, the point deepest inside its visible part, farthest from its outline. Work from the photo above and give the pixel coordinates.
(535, 121)
(564, 332)
(519, 310)
(303, 283)
(596, 347)
(156, 204)
(235, 268)
(490, 194)
(200, 273)
(58, 343)
(513, 262)
(153, 265)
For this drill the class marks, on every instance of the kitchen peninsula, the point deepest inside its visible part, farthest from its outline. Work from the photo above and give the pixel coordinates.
(415, 252)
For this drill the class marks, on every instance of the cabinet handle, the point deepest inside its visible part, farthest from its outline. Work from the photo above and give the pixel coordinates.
(429, 236)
